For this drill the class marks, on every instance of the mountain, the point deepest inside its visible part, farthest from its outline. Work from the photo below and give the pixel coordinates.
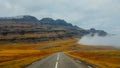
(29, 28)
(25, 18)
(94, 32)
(58, 22)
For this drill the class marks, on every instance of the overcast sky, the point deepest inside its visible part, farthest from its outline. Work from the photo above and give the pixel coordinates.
(99, 14)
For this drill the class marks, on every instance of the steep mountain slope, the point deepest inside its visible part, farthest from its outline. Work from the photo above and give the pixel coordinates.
(29, 28)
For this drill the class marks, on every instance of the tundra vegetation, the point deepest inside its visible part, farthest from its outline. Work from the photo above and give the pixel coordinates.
(19, 55)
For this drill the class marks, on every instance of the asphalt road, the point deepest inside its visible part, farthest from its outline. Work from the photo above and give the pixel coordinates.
(58, 60)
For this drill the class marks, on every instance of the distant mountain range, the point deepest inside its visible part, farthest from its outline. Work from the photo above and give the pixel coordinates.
(29, 28)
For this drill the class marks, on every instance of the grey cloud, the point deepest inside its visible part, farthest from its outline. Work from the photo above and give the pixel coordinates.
(101, 14)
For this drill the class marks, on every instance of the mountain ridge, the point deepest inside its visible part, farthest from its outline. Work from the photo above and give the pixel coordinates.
(30, 28)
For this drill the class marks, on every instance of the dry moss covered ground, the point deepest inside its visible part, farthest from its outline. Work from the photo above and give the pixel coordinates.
(19, 55)
(20, 58)
(100, 58)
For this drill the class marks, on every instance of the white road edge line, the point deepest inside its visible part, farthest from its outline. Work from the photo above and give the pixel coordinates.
(57, 57)
(89, 67)
(79, 61)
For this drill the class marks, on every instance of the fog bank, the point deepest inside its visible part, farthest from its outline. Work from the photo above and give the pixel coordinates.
(110, 40)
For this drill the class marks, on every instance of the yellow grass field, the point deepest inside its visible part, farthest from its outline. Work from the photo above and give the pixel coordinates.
(100, 58)
(20, 58)
(19, 55)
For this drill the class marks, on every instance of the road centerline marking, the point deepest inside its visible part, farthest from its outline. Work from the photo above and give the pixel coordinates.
(56, 65)
(58, 56)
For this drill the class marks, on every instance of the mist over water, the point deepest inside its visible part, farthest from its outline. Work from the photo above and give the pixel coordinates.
(110, 40)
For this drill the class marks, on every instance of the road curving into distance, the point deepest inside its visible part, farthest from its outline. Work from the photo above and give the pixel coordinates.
(58, 60)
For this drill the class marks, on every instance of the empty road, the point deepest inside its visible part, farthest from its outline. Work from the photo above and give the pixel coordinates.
(58, 60)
